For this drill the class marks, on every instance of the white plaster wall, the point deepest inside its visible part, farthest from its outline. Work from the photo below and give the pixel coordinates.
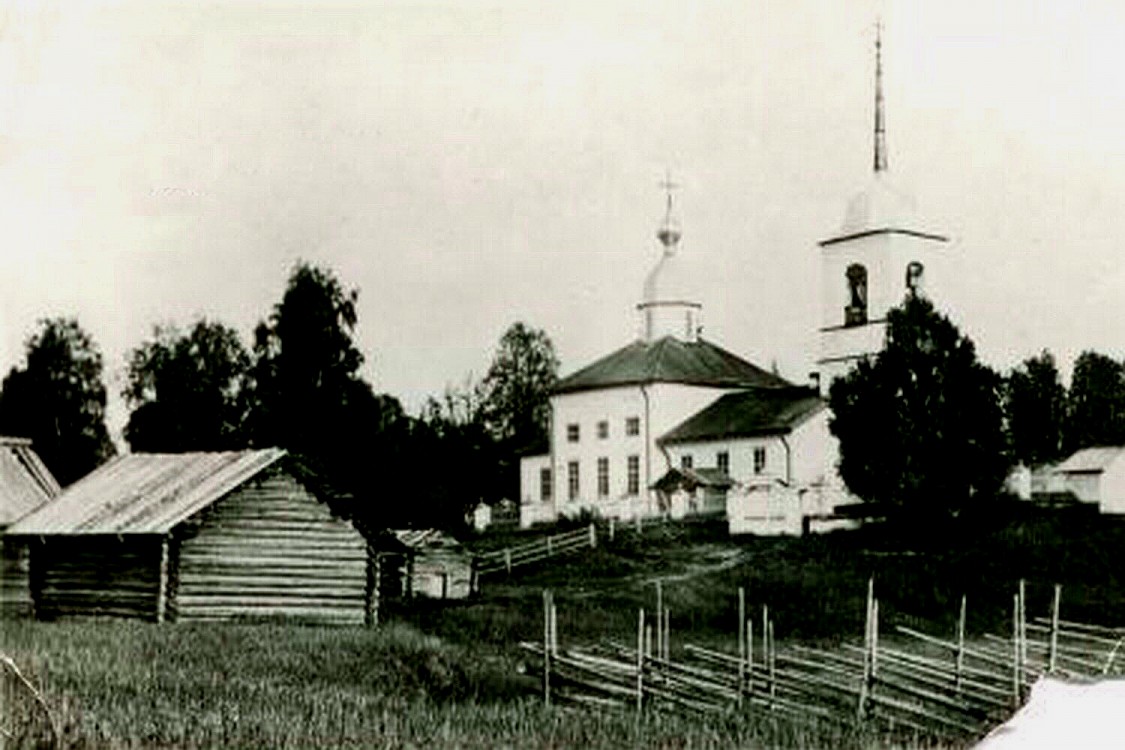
(668, 405)
(1084, 486)
(1112, 499)
(886, 256)
(813, 454)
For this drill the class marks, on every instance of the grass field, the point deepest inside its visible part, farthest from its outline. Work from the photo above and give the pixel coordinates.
(113, 684)
(450, 676)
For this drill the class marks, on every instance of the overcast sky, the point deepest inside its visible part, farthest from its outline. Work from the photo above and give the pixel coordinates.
(467, 165)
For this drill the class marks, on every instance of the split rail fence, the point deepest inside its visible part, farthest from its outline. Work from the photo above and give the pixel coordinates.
(927, 686)
(509, 558)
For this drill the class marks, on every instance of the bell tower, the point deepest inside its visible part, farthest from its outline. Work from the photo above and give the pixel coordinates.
(880, 254)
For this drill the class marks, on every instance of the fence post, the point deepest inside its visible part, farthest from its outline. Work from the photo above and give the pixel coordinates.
(773, 665)
(1015, 650)
(593, 536)
(659, 616)
(960, 664)
(749, 625)
(1054, 654)
(508, 559)
(741, 644)
(546, 647)
(865, 682)
(640, 660)
(549, 546)
(667, 636)
(1023, 634)
(612, 525)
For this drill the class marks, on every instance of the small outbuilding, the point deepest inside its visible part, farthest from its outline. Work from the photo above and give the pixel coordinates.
(436, 566)
(25, 484)
(693, 492)
(197, 536)
(1097, 476)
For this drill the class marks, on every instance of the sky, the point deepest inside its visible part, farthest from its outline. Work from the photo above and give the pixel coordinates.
(466, 165)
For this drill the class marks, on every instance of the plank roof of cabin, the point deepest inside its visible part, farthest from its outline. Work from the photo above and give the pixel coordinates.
(1091, 460)
(419, 538)
(669, 360)
(145, 493)
(25, 482)
(759, 411)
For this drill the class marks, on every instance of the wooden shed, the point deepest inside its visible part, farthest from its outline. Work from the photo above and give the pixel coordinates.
(437, 566)
(25, 484)
(197, 536)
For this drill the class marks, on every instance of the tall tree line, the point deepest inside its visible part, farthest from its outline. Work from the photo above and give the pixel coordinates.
(298, 387)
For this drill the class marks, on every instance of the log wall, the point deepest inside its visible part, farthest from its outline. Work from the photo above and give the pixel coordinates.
(269, 549)
(15, 584)
(93, 575)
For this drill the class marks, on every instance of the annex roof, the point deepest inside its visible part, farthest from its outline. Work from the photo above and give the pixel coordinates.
(145, 493)
(670, 360)
(25, 482)
(691, 478)
(1091, 460)
(758, 411)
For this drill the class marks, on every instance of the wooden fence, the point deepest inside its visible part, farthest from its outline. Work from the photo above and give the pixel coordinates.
(930, 686)
(536, 551)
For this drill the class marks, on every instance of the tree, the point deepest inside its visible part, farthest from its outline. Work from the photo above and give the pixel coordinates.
(189, 391)
(1097, 402)
(58, 400)
(515, 407)
(307, 363)
(920, 426)
(1035, 405)
(311, 400)
(515, 394)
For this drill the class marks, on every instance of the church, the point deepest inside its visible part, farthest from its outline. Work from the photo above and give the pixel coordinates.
(673, 424)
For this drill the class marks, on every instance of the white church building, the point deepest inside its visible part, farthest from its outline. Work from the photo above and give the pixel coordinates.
(673, 424)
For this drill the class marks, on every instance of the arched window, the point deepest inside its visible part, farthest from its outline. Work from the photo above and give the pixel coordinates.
(914, 271)
(855, 313)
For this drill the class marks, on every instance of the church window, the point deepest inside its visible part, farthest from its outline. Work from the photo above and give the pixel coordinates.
(722, 461)
(634, 475)
(633, 426)
(914, 271)
(572, 433)
(759, 459)
(855, 313)
(572, 480)
(603, 430)
(685, 461)
(603, 477)
(545, 484)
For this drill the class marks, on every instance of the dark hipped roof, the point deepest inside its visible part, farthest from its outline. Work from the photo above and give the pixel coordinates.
(758, 411)
(670, 360)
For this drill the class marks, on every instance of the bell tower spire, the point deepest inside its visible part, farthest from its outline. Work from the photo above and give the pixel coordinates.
(880, 125)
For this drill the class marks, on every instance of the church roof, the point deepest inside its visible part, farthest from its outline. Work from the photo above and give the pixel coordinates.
(759, 411)
(670, 360)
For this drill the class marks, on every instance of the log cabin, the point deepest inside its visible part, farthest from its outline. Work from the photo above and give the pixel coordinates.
(194, 537)
(25, 484)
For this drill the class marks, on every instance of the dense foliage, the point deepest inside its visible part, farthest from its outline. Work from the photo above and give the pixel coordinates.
(58, 400)
(920, 425)
(1035, 403)
(1096, 414)
(189, 391)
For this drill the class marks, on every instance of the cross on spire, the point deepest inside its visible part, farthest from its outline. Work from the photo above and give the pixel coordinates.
(880, 126)
(669, 233)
